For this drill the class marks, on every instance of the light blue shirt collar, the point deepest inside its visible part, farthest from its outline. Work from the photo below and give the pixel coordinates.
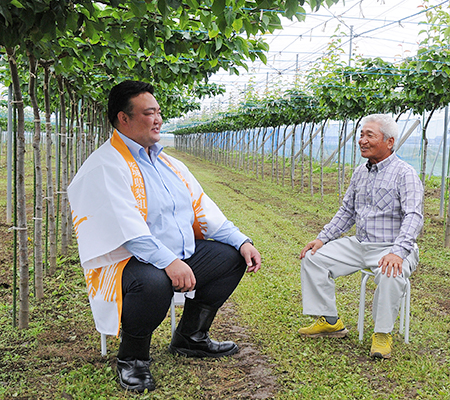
(138, 152)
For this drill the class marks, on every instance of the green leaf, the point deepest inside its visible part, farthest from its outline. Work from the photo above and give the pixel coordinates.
(218, 7)
(170, 48)
(262, 57)
(17, 4)
(447, 32)
(184, 20)
(131, 63)
(301, 14)
(72, 22)
(175, 4)
(222, 23)
(163, 8)
(250, 28)
(212, 33)
(237, 24)
(138, 8)
(219, 42)
(291, 8)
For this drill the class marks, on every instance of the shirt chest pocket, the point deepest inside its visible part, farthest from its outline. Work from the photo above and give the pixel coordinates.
(385, 199)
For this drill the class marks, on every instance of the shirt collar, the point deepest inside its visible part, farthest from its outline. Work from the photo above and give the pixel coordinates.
(382, 164)
(137, 151)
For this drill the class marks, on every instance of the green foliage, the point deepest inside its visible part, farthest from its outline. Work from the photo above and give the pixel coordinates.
(174, 46)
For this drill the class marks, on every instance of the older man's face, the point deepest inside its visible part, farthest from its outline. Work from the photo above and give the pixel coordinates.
(372, 143)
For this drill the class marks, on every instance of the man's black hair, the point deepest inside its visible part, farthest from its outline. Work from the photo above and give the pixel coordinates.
(120, 95)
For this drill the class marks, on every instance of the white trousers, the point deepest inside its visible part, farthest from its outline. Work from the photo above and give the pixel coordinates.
(344, 257)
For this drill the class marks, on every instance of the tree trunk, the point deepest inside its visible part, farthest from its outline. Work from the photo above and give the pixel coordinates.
(311, 186)
(71, 137)
(293, 157)
(341, 140)
(284, 155)
(20, 190)
(255, 153)
(38, 258)
(51, 220)
(447, 228)
(64, 171)
(302, 158)
(425, 146)
(70, 157)
(82, 150)
(276, 134)
(263, 143)
(322, 136)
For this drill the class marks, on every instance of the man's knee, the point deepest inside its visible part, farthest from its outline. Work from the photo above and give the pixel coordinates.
(228, 254)
(145, 279)
(310, 261)
(385, 281)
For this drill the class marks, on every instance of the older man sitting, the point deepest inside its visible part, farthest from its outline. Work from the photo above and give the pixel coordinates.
(384, 200)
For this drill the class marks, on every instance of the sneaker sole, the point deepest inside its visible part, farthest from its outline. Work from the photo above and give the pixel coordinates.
(379, 355)
(337, 334)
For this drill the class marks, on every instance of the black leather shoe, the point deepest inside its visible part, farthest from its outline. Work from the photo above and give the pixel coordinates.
(201, 346)
(134, 375)
(191, 338)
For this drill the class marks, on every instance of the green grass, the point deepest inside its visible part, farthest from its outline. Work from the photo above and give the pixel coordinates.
(59, 356)
(281, 221)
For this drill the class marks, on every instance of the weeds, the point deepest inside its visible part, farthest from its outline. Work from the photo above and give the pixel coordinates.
(59, 356)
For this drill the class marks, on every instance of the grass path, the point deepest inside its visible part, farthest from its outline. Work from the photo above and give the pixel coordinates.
(59, 356)
(280, 221)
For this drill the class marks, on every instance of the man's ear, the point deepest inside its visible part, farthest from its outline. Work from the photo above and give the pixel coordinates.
(123, 118)
(391, 142)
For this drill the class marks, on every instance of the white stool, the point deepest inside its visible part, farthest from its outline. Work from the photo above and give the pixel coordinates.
(404, 310)
(177, 300)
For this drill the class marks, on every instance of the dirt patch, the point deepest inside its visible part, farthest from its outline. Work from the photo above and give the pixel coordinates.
(259, 381)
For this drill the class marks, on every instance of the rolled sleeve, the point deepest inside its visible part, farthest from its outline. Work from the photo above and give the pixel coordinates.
(228, 233)
(150, 251)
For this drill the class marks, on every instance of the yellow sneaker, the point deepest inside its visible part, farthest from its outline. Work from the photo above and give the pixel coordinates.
(381, 345)
(322, 328)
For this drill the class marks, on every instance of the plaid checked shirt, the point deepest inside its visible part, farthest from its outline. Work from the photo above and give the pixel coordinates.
(384, 200)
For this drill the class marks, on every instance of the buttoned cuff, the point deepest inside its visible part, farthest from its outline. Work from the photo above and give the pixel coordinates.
(399, 251)
(322, 237)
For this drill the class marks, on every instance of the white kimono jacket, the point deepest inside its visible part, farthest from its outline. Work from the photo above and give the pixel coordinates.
(109, 208)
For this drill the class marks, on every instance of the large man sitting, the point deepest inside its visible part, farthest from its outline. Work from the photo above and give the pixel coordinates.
(142, 223)
(384, 200)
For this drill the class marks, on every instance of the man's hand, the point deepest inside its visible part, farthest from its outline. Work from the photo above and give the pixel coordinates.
(251, 256)
(313, 246)
(391, 263)
(181, 275)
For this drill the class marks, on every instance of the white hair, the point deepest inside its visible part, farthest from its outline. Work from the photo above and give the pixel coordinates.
(388, 125)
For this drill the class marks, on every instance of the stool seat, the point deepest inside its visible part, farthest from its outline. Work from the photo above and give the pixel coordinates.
(404, 310)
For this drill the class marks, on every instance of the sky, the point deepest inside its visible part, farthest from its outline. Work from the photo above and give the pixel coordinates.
(373, 28)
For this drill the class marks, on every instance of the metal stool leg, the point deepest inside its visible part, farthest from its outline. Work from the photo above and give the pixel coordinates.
(407, 309)
(362, 304)
(103, 344)
(172, 315)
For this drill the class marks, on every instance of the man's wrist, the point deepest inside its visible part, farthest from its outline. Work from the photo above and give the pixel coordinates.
(248, 240)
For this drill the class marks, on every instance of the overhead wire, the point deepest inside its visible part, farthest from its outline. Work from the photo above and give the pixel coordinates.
(307, 58)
